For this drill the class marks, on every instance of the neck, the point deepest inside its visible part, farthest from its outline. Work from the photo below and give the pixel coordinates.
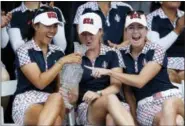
(170, 12)
(43, 47)
(31, 5)
(104, 6)
(136, 51)
(92, 54)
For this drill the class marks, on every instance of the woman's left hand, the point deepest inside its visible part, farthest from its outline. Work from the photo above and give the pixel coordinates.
(90, 96)
(98, 72)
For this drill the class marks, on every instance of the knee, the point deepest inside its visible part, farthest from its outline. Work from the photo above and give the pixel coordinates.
(181, 75)
(58, 121)
(56, 98)
(169, 105)
(111, 98)
(173, 76)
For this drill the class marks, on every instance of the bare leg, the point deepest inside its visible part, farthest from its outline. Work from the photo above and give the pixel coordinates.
(179, 120)
(173, 75)
(32, 114)
(171, 108)
(51, 110)
(181, 75)
(109, 120)
(108, 104)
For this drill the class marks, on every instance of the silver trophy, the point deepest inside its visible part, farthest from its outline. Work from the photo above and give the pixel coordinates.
(71, 75)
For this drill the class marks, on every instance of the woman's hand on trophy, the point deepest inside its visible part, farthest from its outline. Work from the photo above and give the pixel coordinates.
(72, 96)
(71, 58)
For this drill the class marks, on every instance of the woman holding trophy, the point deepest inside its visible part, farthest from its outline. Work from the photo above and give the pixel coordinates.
(36, 100)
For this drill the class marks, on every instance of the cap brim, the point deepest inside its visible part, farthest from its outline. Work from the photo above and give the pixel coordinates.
(88, 28)
(50, 22)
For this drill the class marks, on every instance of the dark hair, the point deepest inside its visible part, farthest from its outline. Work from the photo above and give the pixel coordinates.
(154, 6)
(45, 2)
(31, 31)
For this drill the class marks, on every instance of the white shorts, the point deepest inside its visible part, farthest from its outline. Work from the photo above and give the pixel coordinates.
(148, 107)
(23, 101)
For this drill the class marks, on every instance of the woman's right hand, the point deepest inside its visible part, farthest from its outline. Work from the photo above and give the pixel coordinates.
(71, 58)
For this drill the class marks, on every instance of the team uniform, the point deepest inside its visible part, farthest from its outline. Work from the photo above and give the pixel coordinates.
(108, 58)
(26, 93)
(150, 97)
(175, 53)
(113, 23)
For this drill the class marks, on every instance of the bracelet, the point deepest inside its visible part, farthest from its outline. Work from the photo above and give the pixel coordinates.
(59, 63)
(99, 93)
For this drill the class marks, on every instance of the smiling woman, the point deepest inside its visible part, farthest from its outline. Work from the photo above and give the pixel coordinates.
(37, 100)
(145, 63)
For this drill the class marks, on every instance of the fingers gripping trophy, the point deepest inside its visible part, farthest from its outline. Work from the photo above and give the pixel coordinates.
(70, 77)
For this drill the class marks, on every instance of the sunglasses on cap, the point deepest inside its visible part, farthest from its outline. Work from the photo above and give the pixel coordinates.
(135, 14)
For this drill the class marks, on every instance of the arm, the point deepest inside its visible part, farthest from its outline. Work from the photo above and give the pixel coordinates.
(167, 41)
(4, 37)
(42, 79)
(114, 87)
(58, 82)
(115, 84)
(149, 71)
(60, 38)
(15, 38)
(5, 19)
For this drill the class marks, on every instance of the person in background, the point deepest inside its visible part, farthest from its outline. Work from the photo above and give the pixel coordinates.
(37, 100)
(96, 94)
(168, 22)
(22, 17)
(159, 102)
(5, 19)
(113, 18)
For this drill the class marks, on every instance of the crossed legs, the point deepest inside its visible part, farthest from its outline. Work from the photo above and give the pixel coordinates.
(110, 104)
(49, 113)
(172, 112)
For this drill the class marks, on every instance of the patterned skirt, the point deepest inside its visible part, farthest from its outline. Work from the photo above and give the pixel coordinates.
(23, 101)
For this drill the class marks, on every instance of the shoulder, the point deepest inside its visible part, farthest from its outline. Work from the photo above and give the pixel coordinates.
(155, 47)
(24, 48)
(87, 5)
(56, 48)
(16, 9)
(106, 49)
(122, 5)
(153, 14)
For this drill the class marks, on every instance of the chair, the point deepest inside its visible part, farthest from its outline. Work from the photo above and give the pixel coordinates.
(7, 89)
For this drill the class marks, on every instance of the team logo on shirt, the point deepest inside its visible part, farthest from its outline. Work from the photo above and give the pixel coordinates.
(104, 64)
(117, 18)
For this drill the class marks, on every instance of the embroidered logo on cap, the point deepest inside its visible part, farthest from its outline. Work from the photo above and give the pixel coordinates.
(51, 15)
(135, 15)
(88, 21)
